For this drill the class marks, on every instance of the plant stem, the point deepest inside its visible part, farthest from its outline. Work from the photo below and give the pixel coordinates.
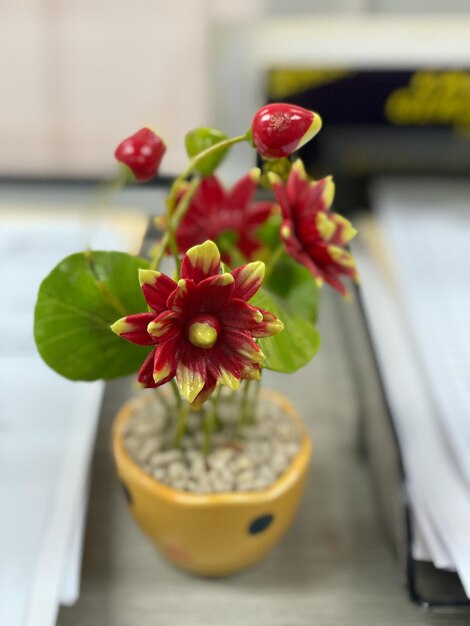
(210, 422)
(244, 409)
(197, 159)
(181, 428)
(255, 400)
(276, 255)
(176, 393)
(174, 220)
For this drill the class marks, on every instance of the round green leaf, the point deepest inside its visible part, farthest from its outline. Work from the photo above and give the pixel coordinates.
(294, 283)
(200, 139)
(77, 302)
(293, 347)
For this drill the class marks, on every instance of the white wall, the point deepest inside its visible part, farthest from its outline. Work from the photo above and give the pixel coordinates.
(79, 75)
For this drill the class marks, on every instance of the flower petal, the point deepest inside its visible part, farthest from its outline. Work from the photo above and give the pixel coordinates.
(165, 326)
(212, 192)
(134, 328)
(251, 371)
(166, 360)
(344, 232)
(241, 343)
(156, 288)
(208, 296)
(319, 196)
(201, 261)
(225, 365)
(248, 279)
(330, 276)
(145, 375)
(237, 313)
(241, 193)
(190, 382)
(206, 391)
(341, 257)
(271, 325)
(297, 184)
(281, 194)
(297, 251)
(212, 293)
(179, 300)
(191, 373)
(325, 225)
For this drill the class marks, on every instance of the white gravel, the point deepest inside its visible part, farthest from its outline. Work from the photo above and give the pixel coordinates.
(249, 461)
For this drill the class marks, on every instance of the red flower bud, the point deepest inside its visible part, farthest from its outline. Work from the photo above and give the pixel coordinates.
(279, 129)
(142, 152)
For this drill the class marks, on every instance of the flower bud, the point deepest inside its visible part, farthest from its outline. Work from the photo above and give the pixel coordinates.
(279, 129)
(142, 153)
(200, 139)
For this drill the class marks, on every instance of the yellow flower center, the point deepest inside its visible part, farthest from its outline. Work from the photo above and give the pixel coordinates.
(203, 331)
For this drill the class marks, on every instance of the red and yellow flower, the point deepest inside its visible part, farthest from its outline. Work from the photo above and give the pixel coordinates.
(214, 210)
(202, 328)
(312, 234)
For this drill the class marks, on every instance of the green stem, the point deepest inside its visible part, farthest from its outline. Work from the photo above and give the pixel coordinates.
(176, 393)
(276, 255)
(175, 218)
(255, 400)
(169, 238)
(210, 421)
(174, 250)
(181, 428)
(244, 409)
(197, 159)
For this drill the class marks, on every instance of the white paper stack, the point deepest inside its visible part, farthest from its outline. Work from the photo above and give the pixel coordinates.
(47, 423)
(415, 269)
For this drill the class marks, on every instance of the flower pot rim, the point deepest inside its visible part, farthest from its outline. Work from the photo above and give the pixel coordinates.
(229, 498)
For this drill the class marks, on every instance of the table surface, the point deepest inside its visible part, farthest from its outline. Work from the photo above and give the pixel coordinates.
(334, 566)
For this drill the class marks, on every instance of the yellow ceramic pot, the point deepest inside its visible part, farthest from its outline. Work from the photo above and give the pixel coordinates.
(212, 534)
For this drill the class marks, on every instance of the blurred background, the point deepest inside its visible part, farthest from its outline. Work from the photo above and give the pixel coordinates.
(79, 76)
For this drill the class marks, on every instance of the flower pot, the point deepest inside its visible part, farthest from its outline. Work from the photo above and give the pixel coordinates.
(212, 534)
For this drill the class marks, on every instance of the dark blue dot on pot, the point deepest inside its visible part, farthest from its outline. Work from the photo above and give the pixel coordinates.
(127, 493)
(260, 523)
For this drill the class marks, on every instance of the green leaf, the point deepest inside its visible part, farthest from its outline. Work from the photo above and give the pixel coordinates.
(200, 139)
(77, 302)
(268, 232)
(294, 283)
(293, 347)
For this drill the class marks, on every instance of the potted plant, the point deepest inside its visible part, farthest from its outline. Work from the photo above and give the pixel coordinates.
(213, 469)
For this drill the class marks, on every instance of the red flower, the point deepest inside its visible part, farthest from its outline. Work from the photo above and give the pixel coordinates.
(310, 232)
(142, 153)
(202, 327)
(213, 210)
(280, 129)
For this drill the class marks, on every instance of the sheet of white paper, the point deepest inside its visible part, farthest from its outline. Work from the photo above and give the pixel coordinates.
(444, 502)
(43, 603)
(47, 423)
(428, 229)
